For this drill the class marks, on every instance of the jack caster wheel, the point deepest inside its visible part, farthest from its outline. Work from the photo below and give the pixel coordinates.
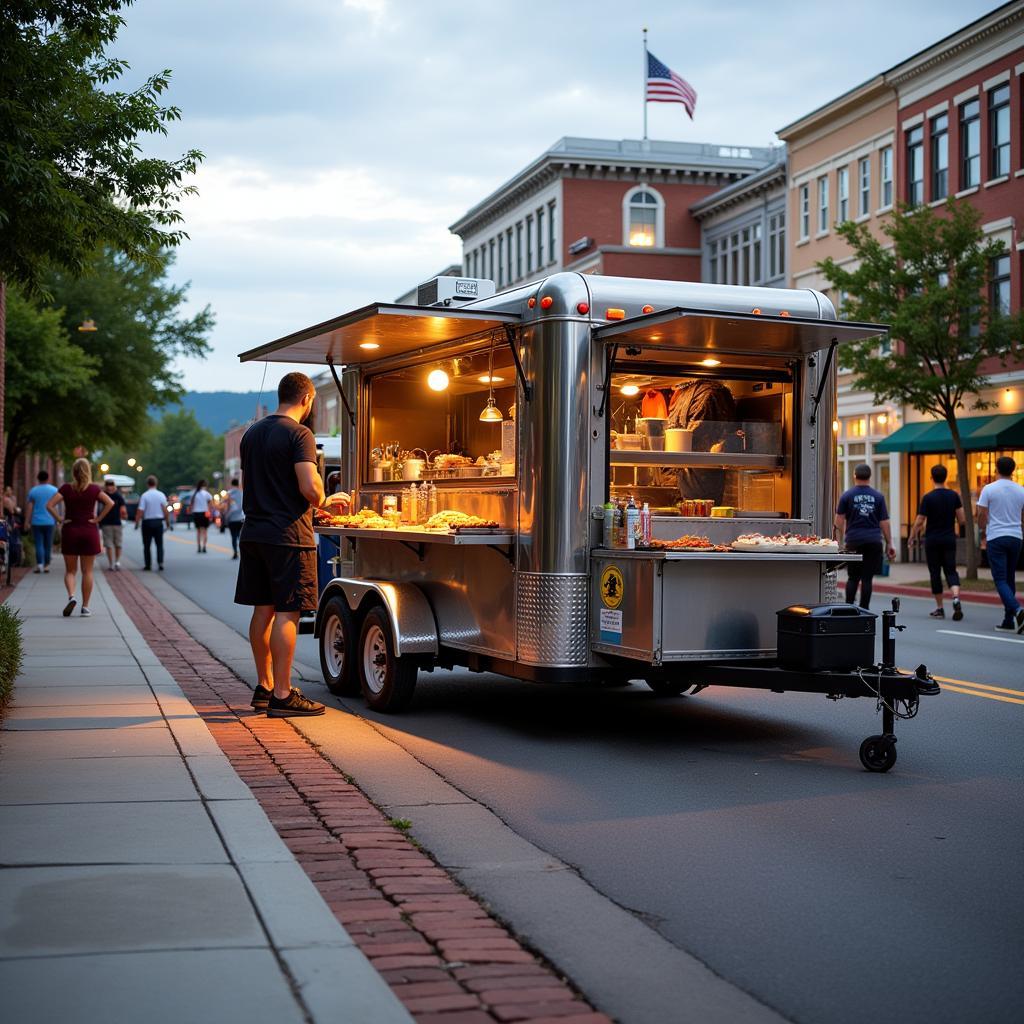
(673, 687)
(878, 753)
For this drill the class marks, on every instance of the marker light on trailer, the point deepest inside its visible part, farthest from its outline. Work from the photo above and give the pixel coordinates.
(615, 314)
(647, 309)
(582, 308)
(546, 302)
(531, 301)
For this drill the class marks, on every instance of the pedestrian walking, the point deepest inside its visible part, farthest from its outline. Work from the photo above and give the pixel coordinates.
(863, 520)
(39, 519)
(111, 529)
(233, 514)
(79, 534)
(277, 567)
(1001, 516)
(202, 503)
(937, 515)
(152, 515)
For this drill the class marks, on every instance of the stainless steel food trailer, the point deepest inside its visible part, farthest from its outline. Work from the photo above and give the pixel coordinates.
(574, 366)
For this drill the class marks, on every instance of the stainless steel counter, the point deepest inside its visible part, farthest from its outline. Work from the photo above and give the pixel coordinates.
(661, 555)
(419, 536)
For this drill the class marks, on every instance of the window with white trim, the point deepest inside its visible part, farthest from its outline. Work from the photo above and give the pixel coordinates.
(776, 245)
(864, 186)
(915, 165)
(885, 175)
(999, 131)
(643, 218)
(529, 243)
(540, 238)
(805, 212)
(843, 194)
(970, 144)
(1000, 285)
(823, 204)
(940, 156)
(551, 231)
(519, 250)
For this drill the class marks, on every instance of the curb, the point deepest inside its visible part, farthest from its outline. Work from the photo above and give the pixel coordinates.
(965, 596)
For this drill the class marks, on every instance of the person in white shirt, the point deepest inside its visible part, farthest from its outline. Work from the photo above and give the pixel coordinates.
(202, 500)
(1001, 515)
(152, 514)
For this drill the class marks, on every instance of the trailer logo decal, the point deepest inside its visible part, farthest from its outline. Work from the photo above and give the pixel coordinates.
(611, 587)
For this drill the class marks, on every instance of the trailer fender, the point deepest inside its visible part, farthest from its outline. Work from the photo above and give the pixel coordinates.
(412, 619)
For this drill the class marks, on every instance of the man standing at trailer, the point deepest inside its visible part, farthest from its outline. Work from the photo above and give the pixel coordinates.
(862, 517)
(1000, 515)
(152, 514)
(277, 566)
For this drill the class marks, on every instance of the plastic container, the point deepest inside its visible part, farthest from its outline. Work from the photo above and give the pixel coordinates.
(678, 439)
(826, 636)
(652, 430)
(608, 526)
(630, 442)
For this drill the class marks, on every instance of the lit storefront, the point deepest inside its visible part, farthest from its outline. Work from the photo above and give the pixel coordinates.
(860, 437)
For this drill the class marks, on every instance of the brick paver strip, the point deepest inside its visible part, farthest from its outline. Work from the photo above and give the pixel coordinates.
(441, 952)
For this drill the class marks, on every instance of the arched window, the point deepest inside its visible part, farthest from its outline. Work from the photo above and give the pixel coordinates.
(643, 215)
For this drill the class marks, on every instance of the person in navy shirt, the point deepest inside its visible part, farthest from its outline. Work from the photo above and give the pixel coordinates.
(862, 519)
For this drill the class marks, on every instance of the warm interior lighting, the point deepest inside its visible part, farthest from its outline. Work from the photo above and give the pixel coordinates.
(882, 418)
(835, 426)
(488, 379)
(629, 390)
(711, 362)
(642, 234)
(491, 413)
(369, 345)
(131, 462)
(977, 465)
(87, 326)
(437, 380)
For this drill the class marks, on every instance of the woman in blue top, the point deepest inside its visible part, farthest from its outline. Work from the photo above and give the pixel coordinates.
(40, 520)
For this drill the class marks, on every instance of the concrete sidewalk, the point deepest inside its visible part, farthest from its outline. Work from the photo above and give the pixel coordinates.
(139, 878)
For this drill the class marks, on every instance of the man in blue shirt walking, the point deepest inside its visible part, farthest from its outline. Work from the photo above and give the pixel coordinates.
(862, 517)
(40, 520)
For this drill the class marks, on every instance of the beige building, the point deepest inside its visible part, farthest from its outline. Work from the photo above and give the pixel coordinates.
(842, 166)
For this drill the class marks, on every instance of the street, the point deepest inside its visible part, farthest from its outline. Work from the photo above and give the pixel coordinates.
(740, 824)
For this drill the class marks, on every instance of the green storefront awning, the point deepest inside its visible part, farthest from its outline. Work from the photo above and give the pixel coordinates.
(1004, 430)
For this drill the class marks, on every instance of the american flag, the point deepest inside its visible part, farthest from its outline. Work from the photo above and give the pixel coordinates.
(665, 86)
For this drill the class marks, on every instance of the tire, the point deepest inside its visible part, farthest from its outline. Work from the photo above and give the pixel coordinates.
(338, 646)
(669, 687)
(878, 753)
(387, 681)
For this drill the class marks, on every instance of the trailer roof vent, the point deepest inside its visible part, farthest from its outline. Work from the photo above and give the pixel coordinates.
(448, 291)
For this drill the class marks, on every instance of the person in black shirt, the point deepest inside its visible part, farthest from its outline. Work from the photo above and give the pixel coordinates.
(940, 509)
(110, 525)
(277, 567)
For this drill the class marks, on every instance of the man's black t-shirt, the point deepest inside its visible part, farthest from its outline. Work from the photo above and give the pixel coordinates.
(113, 517)
(939, 508)
(275, 510)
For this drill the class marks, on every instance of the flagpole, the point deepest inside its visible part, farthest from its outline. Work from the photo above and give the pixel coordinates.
(644, 93)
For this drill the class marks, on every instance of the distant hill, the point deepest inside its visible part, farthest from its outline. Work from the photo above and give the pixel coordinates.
(220, 410)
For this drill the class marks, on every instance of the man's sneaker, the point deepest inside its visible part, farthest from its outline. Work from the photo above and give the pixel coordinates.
(38, 568)
(85, 611)
(69, 607)
(1019, 619)
(293, 706)
(958, 612)
(260, 698)
(117, 567)
(1006, 627)
(937, 614)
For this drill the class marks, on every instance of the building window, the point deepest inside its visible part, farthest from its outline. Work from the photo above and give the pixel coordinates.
(508, 254)
(915, 165)
(501, 261)
(551, 232)
(823, 204)
(843, 194)
(643, 216)
(519, 251)
(540, 238)
(713, 262)
(476, 263)
(999, 131)
(529, 244)
(864, 186)
(885, 175)
(940, 156)
(1000, 298)
(805, 211)
(970, 144)
(776, 245)
(756, 263)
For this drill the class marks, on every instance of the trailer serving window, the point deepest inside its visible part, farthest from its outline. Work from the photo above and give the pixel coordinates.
(454, 415)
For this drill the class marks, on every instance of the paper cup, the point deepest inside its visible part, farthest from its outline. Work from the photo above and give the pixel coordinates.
(678, 439)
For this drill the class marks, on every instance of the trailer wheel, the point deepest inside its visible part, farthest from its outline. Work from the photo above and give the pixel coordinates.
(878, 753)
(387, 681)
(338, 645)
(672, 687)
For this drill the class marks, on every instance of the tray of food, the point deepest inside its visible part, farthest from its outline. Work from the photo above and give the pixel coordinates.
(461, 522)
(790, 543)
(688, 542)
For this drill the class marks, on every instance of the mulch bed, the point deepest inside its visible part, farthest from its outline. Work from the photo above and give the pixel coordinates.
(16, 577)
(443, 954)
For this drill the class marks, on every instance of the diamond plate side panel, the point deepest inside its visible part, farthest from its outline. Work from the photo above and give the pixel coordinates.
(551, 620)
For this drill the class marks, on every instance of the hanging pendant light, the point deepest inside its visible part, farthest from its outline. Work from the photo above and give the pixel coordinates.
(491, 413)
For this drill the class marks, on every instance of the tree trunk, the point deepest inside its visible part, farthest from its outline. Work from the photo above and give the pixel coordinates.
(3, 378)
(963, 476)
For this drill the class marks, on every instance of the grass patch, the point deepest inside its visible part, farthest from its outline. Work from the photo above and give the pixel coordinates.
(974, 586)
(402, 824)
(10, 651)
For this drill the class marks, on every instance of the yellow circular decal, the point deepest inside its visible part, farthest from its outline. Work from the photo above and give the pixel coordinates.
(611, 587)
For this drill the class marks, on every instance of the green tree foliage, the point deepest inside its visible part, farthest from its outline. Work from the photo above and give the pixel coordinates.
(140, 330)
(181, 451)
(930, 281)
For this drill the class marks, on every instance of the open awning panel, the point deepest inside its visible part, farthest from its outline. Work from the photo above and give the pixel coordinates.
(379, 331)
(734, 332)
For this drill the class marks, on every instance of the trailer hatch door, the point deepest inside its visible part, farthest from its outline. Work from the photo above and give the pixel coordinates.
(744, 333)
(380, 331)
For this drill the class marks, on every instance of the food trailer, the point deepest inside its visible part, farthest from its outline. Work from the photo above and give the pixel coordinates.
(490, 441)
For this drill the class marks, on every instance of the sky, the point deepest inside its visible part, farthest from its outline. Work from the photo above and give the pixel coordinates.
(342, 137)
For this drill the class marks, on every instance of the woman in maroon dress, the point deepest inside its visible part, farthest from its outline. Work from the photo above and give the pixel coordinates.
(80, 534)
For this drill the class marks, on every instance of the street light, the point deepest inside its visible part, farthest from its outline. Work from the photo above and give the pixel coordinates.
(88, 326)
(104, 468)
(131, 462)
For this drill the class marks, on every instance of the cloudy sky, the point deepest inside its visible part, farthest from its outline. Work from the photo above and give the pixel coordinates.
(342, 137)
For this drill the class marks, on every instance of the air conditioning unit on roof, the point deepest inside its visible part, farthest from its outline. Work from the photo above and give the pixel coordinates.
(445, 291)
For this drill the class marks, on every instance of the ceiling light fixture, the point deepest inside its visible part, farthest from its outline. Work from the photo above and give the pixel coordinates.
(437, 380)
(369, 345)
(629, 390)
(711, 362)
(490, 412)
(488, 379)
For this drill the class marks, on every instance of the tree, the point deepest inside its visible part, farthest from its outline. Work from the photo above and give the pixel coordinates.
(931, 285)
(139, 332)
(181, 450)
(74, 177)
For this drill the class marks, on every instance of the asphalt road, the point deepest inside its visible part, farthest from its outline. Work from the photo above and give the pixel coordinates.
(740, 824)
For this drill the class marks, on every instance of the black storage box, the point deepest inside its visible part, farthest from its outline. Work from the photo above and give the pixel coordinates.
(826, 636)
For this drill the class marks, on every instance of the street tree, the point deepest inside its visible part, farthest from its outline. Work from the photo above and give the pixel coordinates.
(929, 279)
(181, 450)
(73, 171)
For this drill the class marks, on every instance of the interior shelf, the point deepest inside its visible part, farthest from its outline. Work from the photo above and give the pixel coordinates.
(734, 460)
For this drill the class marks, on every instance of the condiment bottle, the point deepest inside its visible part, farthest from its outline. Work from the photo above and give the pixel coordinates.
(608, 532)
(412, 513)
(645, 525)
(632, 522)
(619, 526)
(432, 500)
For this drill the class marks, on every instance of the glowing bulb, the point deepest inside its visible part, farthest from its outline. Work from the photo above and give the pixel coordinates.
(104, 468)
(369, 345)
(491, 413)
(131, 462)
(711, 362)
(437, 380)
(882, 418)
(490, 380)
(629, 390)
(835, 426)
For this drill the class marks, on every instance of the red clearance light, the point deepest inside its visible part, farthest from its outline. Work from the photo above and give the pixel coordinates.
(582, 308)
(647, 309)
(756, 311)
(784, 313)
(547, 302)
(531, 302)
(615, 314)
